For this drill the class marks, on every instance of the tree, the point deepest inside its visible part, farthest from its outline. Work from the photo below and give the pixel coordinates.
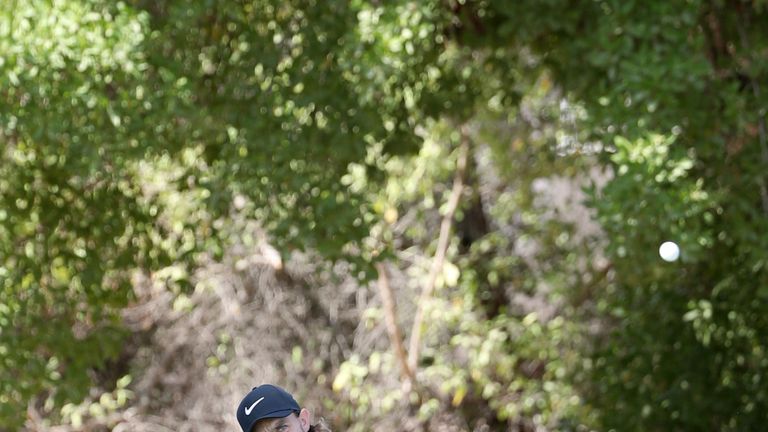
(278, 102)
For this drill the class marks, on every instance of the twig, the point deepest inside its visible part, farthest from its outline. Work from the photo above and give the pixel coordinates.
(442, 247)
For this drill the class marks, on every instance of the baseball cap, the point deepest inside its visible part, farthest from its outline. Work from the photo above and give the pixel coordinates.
(263, 402)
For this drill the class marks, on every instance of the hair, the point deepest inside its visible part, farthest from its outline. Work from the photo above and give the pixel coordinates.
(320, 426)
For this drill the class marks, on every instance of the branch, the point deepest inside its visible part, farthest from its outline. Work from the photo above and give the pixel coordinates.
(442, 247)
(393, 330)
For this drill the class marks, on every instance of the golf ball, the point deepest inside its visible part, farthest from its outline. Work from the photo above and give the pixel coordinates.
(669, 251)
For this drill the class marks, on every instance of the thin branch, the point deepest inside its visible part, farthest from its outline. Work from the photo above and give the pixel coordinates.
(442, 247)
(393, 330)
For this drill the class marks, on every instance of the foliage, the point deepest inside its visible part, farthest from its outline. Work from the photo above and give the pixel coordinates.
(678, 85)
(487, 356)
(72, 224)
(131, 129)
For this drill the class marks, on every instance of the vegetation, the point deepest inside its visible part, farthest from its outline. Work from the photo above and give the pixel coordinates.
(495, 177)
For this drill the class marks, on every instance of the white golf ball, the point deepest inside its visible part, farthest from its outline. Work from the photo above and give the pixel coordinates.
(669, 251)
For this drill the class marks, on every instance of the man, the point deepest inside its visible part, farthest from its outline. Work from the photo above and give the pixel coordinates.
(268, 408)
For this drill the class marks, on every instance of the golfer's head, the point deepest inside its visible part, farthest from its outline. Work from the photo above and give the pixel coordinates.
(269, 408)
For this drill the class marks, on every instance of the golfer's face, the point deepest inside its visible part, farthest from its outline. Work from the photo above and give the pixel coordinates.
(292, 423)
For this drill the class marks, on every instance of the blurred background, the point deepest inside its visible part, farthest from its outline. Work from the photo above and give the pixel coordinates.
(433, 215)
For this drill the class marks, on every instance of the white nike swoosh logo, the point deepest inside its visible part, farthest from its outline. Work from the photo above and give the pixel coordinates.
(250, 408)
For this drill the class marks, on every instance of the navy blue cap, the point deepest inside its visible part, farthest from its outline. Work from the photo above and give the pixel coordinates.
(263, 402)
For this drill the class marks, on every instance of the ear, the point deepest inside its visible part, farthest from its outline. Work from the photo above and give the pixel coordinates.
(305, 419)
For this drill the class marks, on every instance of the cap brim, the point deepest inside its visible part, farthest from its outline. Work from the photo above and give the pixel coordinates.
(273, 414)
